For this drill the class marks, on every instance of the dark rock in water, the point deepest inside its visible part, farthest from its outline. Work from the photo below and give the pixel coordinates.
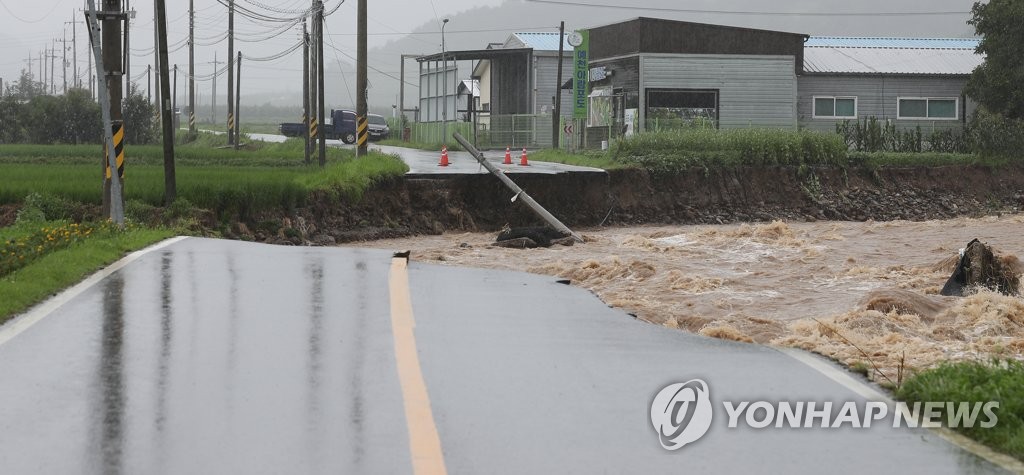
(979, 267)
(540, 236)
(517, 243)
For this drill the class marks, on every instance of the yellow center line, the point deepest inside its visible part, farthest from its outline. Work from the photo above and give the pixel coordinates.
(424, 443)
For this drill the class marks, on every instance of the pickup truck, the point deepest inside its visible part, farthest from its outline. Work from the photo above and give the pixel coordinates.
(341, 124)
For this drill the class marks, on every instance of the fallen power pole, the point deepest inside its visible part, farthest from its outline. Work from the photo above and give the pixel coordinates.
(519, 193)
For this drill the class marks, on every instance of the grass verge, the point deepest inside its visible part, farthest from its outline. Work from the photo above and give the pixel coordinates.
(224, 181)
(588, 159)
(1001, 381)
(50, 273)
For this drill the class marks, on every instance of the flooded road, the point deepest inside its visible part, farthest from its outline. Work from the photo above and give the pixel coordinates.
(848, 290)
(214, 356)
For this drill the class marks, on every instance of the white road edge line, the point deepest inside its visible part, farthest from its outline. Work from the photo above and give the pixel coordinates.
(849, 382)
(20, 323)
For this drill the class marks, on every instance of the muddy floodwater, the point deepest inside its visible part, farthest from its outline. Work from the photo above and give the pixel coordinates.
(864, 293)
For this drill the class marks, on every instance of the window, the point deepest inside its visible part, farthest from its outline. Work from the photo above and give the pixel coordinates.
(680, 108)
(835, 107)
(934, 108)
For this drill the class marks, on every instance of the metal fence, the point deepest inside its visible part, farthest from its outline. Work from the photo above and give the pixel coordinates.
(519, 131)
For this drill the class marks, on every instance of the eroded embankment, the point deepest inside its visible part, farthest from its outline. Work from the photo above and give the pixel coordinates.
(627, 197)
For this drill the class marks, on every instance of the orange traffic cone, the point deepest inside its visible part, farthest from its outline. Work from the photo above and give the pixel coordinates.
(508, 156)
(522, 161)
(444, 156)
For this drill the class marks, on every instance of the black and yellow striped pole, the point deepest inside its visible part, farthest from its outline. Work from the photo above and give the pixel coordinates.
(192, 122)
(362, 134)
(231, 126)
(118, 132)
(314, 129)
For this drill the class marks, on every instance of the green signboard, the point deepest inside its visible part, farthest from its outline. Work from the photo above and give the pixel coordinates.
(581, 75)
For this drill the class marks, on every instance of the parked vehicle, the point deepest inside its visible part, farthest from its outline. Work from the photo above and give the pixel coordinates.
(378, 127)
(341, 124)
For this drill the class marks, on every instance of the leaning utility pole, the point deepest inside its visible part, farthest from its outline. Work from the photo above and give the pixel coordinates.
(238, 103)
(231, 66)
(170, 185)
(191, 70)
(305, 87)
(322, 149)
(361, 80)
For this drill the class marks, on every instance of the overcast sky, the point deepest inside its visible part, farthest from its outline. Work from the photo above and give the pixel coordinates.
(413, 26)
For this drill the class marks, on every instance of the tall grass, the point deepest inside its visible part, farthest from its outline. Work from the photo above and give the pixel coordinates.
(682, 149)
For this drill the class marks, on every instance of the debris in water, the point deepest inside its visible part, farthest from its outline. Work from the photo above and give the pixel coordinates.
(530, 237)
(979, 267)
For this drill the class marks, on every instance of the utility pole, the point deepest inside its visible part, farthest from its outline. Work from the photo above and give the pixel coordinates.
(305, 87)
(74, 52)
(191, 70)
(53, 69)
(110, 95)
(322, 149)
(64, 60)
(213, 109)
(556, 119)
(149, 83)
(170, 184)
(231, 66)
(174, 105)
(156, 63)
(128, 42)
(238, 103)
(314, 103)
(361, 80)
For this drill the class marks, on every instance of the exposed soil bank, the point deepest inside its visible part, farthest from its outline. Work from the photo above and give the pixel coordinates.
(628, 197)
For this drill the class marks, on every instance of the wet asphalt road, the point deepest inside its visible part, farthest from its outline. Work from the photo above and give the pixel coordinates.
(219, 357)
(424, 163)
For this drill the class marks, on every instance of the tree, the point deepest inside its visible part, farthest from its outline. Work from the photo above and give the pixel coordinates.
(998, 84)
(139, 123)
(81, 118)
(25, 87)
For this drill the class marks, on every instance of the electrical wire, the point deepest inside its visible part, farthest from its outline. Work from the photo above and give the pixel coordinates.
(291, 49)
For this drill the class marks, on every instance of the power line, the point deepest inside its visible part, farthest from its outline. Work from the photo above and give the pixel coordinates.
(747, 12)
(449, 32)
(16, 17)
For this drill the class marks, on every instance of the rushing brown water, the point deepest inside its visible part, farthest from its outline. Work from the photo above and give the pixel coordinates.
(862, 293)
